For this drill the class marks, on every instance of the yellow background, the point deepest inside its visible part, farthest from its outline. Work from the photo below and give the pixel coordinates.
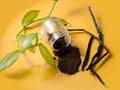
(30, 72)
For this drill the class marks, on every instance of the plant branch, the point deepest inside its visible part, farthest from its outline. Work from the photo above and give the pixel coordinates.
(17, 38)
(49, 13)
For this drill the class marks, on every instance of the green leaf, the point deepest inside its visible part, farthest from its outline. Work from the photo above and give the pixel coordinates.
(29, 17)
(29, 41)
(64, 22)
(9, 59)
(46, 55)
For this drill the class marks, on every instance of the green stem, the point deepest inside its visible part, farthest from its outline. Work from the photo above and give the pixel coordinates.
(17, 38)
(52, 8)
(49, 13)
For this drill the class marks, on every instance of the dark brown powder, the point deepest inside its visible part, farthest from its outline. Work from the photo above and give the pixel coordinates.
(60, 43)
(69, 59)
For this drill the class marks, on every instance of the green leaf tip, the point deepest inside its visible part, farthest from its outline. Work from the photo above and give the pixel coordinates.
(29, 17)
(9, 59)
(46, 55)
(64, 22)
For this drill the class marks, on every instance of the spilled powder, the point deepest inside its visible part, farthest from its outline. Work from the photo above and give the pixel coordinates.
(68, 59)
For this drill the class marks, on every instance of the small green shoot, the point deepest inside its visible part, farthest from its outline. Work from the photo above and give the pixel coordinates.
(64, 22)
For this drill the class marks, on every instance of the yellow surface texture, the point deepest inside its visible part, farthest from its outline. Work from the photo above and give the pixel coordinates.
(30, 71)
